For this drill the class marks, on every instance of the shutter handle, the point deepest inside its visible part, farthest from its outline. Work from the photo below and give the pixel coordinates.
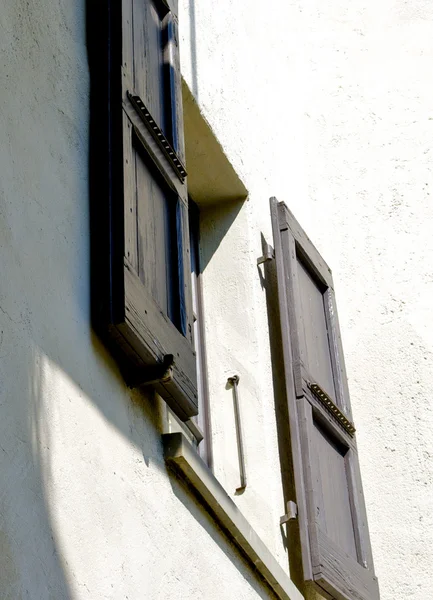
(234, 381)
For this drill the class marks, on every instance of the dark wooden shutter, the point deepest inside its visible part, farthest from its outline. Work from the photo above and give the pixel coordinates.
(140, 256)
(335, 543)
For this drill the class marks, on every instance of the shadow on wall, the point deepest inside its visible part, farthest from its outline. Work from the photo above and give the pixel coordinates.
(30, 563)
(215, 222)
(49, 356)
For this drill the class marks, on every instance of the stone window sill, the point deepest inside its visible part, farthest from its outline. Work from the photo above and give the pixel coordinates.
(183, 459)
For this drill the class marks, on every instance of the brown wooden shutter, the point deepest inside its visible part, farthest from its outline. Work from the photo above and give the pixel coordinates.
(140, 256)
(335, 543)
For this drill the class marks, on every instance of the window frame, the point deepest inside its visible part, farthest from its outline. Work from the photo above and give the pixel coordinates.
(203, 419)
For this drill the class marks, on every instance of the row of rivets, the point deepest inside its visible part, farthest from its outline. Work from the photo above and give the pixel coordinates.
(136, 100)
(326, 400)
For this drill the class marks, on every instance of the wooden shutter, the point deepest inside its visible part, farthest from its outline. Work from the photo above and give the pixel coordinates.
(335, 543)
(140, 257)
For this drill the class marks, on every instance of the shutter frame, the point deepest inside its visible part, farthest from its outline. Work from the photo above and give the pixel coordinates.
(148, 346)
(326, 563)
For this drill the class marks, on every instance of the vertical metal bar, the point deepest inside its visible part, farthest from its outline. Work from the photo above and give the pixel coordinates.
(234, 381)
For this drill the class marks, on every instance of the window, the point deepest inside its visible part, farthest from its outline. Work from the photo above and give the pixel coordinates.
(142, 300)
(197, 429)
(336, 552)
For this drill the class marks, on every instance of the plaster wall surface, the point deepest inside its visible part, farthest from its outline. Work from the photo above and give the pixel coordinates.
(327, 108)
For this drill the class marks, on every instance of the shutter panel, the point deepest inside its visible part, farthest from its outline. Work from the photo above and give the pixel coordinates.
(335, 543)
(140, 260)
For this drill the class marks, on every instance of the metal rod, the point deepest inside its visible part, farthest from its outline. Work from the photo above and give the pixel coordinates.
(234, 381)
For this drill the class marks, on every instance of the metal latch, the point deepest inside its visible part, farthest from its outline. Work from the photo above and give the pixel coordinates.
(268, 254)
(291, 514)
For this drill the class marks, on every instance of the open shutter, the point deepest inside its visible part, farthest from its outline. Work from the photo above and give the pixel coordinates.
(335, 543)
(141, 265)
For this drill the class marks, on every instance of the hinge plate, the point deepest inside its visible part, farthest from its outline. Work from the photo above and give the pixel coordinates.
(268, 254)
(158, 135)
(327, 402)
(291, 514)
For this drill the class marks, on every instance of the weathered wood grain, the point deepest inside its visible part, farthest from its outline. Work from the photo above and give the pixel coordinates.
(342, 576)
(130, 194)
(295, 436)
(140, 254)
(148, 58)
(326, 467)
(294, 307)
(314, 341)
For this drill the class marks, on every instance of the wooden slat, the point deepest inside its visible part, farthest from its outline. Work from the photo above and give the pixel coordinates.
(142, 311)
(355, 509)
(339, 368)
(309, 252)
(366, 556)
(305, 424)
(127, 46)
(295, 438)
(176, 90)
(156, 333)
(153, 234)
(129, 194)
(342, 576)
(333, 510)
(293, 307)
(148, 58)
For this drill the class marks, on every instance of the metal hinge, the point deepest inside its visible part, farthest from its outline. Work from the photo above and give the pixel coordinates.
(159, 373)
(268, 254)
(291, 514)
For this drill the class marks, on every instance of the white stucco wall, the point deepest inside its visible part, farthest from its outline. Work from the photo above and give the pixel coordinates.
(327, 108)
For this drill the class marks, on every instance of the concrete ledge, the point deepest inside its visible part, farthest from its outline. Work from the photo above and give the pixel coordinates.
(181, 456)
(211, 176)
